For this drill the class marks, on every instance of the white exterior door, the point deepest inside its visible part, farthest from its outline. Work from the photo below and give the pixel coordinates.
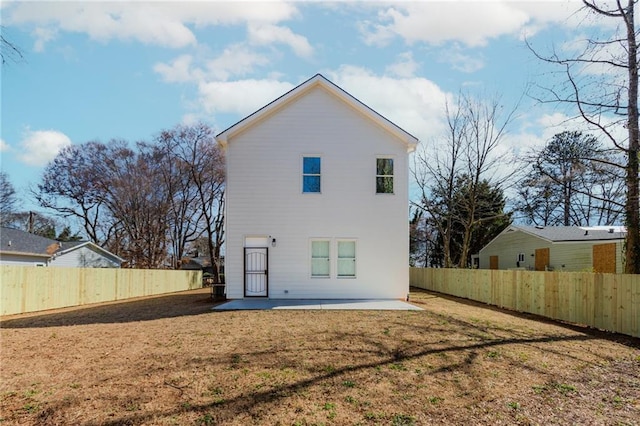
(256, 265)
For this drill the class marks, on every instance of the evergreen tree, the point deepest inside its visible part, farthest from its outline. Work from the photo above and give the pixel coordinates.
(477, 215)
(571, 182)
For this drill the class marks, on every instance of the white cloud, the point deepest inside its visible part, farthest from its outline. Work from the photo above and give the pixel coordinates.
(460, 61)
(4, 146)
(598, 56)
(235, 60)
(414, 103)
(178, 71)
(537, 130)
(145, 22)
(270, 34)
(404, 67)
(240, 97)
(471, 23)
(375, 34)
(219, 82)
(159, 23)
(555, 123)
(43, 35)
(38, 147)
(190, 119)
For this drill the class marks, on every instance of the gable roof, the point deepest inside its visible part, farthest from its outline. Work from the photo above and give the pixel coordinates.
(21, 242)
(571, 233)
(75, 245)
(318, 80)
(16, 241)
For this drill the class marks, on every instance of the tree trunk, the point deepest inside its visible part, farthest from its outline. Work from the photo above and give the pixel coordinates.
(632, 206)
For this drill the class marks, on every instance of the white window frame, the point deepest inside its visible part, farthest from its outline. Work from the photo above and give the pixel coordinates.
(314, 240)
(392, 176)
(520, 257)
(310, 174)
(355, 258)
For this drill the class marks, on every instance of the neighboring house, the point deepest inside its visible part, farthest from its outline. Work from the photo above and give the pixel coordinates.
(22, 248)
(558, 248)
(317, 199)
(200, 263)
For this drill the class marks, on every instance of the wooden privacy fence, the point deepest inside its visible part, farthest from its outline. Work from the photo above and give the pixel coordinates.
(29, 288)
(605, 301)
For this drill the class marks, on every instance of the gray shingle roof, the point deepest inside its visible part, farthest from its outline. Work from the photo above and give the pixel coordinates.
(572, 233)
(21, 242)
(17, 241)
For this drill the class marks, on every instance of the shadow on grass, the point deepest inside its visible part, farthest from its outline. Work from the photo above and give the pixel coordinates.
(623, 339)
(253, 403)
(193, 302)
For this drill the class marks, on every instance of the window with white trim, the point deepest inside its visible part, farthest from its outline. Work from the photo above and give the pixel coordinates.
(346, 259)
(520, 257)
(384, 175)
(320, 259)
(311, 174)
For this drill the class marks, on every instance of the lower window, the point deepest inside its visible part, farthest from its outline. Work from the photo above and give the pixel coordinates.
(346, 259)
(320, 259)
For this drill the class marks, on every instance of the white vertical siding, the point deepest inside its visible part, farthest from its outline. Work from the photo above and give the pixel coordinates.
(264, 197)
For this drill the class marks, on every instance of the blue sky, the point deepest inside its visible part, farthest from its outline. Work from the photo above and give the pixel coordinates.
(103, 70)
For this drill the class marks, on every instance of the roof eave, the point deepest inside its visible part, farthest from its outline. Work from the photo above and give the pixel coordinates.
(23, 253)
(94, 245)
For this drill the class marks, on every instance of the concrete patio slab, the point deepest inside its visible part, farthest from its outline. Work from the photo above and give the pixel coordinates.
(350, 304)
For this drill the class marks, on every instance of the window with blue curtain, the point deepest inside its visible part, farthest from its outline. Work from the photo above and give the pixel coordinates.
(311, 174)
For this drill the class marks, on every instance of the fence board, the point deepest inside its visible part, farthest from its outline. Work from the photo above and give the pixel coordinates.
(629, 310)
(605, 301)
(30, 289)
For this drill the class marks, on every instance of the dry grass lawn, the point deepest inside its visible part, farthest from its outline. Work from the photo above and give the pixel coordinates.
(172, 361)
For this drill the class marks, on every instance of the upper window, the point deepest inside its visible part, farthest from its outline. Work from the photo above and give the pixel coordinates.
(311, 174)
(384, 175)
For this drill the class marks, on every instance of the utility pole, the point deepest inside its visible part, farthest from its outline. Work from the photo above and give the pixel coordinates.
(31, 221)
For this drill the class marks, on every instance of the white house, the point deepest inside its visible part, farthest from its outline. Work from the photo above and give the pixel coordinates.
(557, 248)
(22, 248)
(84, 254)
(317, 199)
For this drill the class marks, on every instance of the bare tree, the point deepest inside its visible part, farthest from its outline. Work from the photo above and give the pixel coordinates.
(185, 212)
(436, 171)
(9, 51)
(196, 148)
(8, 199)
(469, 154)
(34, 222)
(132, 187)
(145, 203)
(71, 186)
(116, 193)
(608, 101)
